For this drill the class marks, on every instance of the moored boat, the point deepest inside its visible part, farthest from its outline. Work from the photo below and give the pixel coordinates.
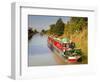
(65, 49)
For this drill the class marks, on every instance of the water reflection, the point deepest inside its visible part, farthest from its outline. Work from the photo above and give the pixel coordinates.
(39, 53)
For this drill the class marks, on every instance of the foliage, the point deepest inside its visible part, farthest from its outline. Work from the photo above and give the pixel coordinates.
(57, 28)
(77, 30)
(76, 24)
(31, 32)
(52, 28)
(43, 31)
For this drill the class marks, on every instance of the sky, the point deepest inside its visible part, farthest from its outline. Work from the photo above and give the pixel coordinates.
(40, 22)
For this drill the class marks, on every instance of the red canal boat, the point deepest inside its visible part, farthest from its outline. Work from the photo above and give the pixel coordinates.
(65, 49)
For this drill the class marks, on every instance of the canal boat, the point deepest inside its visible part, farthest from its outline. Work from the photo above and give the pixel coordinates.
(65, 49)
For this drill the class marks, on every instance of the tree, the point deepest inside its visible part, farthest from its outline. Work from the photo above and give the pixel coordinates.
(52, 28)
(77, 24)
(59, 27)
(43, 31)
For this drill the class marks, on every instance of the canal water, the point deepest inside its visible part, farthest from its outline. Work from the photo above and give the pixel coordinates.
(38, 52)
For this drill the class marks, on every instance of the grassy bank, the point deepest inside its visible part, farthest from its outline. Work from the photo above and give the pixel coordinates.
(81, 41)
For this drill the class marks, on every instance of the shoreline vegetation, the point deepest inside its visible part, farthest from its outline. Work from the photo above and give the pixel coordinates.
(31, 33)
(76, 29)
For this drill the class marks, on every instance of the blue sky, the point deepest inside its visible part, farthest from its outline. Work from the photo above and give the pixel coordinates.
(40, 22)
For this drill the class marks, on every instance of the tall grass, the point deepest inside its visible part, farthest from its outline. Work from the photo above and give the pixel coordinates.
(81, 41)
